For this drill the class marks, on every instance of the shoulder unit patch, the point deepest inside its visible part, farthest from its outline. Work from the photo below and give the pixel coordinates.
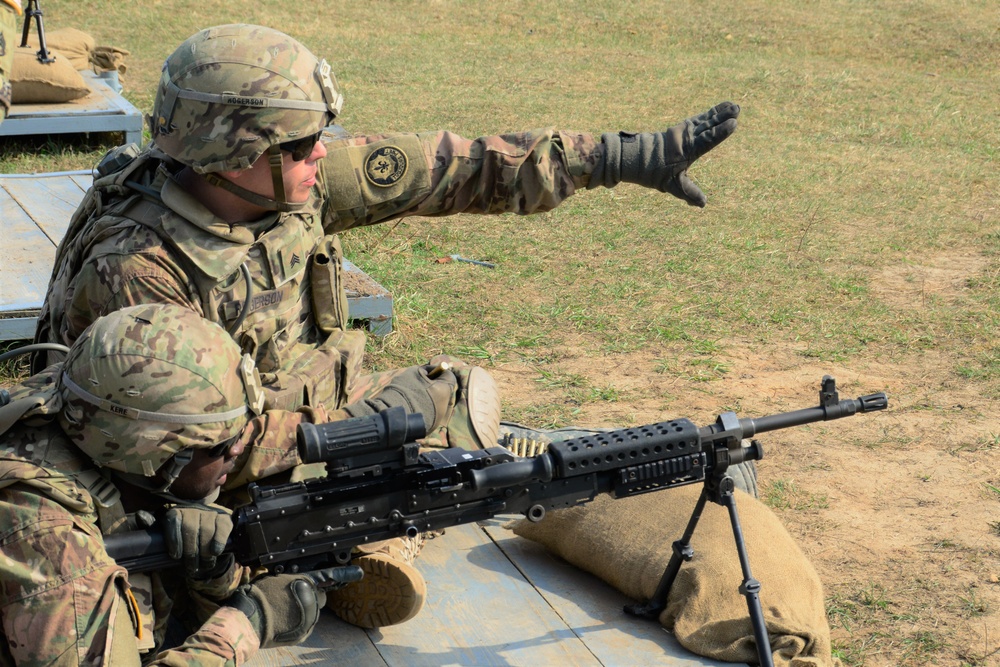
(385, 166)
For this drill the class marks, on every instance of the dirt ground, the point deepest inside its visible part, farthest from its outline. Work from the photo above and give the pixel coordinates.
(896, 510)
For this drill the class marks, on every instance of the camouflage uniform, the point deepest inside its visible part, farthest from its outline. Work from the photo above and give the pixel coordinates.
(9, 11)
(62, 599)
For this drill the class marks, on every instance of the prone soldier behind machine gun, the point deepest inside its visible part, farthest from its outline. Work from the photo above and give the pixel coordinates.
(141, 425)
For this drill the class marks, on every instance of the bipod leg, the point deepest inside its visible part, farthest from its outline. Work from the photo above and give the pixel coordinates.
(682, 552)
(750, 589)
(33, 11)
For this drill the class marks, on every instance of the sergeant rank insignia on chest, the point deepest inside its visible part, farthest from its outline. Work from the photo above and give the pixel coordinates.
(385, 166)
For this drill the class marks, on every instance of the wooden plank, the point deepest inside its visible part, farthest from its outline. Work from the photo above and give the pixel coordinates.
(17, 328)
(367, 300)
(111, 99)
(50, 202)
(479, 611)
(497, 599)
(333, 642)
(101, 100)
(594, 609)
(84, 181)
(377, 311)
(26, 257)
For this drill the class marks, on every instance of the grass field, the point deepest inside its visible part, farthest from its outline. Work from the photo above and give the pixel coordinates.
(852, 229)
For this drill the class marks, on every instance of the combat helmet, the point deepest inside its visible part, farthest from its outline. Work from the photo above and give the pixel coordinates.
(232, 93)
(148, 384)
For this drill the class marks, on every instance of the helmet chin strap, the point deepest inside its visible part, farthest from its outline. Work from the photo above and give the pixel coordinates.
(166, 476)
(151, 485)
(279, 202)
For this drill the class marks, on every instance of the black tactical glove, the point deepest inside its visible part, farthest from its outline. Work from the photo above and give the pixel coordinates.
(283, 608)
(429, 390)
(660, 160)
(198, 534)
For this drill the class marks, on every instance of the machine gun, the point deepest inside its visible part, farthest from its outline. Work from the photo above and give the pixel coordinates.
(380, 486)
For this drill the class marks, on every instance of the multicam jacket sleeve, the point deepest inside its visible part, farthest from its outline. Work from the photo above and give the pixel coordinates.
(376, 178)
(269, 445)
(182, 254)
(63, 600)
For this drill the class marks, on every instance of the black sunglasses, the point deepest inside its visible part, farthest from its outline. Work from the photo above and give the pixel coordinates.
(221, 448)
(301, 148)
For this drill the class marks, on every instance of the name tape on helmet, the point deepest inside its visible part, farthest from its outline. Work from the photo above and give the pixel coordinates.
(243, 100)
(171, 90)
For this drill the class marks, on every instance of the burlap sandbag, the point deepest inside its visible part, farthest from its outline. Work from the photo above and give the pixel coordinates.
(108, 58)
(75, 45)
(34, 82)
(627, 543)
(82, 50)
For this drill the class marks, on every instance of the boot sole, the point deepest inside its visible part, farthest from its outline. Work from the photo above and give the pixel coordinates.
(484, 406)
(390, 593)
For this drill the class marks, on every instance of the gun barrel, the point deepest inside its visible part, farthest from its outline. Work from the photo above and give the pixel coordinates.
(844, 408)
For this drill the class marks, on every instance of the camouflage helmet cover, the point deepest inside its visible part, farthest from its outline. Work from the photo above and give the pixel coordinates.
(229, 93)
(146, 382)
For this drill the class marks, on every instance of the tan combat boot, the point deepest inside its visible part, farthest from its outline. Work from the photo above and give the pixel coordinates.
(392, 590)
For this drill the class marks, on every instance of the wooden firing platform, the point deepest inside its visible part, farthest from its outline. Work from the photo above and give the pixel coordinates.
(103, 110)
(497, 599)
(34, 213)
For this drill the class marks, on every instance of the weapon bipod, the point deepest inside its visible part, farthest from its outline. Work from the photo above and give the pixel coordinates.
(720, 493)
(33, 11)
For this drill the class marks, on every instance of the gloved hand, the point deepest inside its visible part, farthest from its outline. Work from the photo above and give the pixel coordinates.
(429, 390)
(660, 160)
(198, 534)
(284, 608)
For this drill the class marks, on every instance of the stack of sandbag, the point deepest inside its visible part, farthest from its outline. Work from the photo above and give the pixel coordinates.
(35, 82)
(628, 544)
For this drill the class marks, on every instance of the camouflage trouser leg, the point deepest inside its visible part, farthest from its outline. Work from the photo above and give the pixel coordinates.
(61, 591)
(473, 421)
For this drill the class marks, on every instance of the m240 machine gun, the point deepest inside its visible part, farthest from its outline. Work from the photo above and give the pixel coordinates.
(380, 486)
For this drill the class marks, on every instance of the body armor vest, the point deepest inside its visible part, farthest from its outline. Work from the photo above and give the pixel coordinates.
(259, 287)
